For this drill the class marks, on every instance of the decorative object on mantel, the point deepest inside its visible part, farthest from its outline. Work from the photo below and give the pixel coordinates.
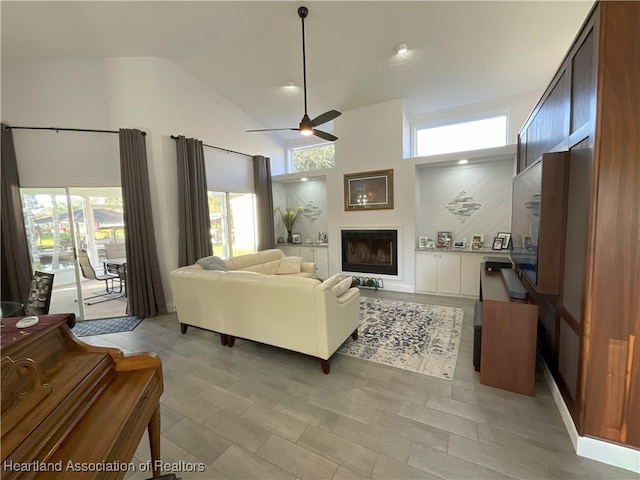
(422, 242)
(497, 243)
(368, 190)
(289, 217)
(322, 238)
(367, 282)
(408, 335)
(463, 206)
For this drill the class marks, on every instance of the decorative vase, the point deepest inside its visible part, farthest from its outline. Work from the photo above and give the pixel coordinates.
(289, 237)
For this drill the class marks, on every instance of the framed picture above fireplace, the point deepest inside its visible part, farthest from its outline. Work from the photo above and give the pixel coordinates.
(368, 190)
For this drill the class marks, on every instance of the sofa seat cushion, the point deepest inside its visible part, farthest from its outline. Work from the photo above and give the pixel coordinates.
(289, 265)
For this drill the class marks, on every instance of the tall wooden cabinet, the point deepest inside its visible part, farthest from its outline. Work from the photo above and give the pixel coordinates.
(591, 329)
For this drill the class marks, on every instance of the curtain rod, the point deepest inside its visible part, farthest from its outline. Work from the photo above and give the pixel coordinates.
(65, 129)
(175, 137)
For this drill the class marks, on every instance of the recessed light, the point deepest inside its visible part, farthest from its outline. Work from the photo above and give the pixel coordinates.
(289, 84)
(304, 179)
(402, 48)
(464, 161)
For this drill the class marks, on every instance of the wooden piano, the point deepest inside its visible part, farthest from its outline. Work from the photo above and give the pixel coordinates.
(73, 410)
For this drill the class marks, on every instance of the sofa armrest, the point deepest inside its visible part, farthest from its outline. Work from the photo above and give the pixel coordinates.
(308, 267)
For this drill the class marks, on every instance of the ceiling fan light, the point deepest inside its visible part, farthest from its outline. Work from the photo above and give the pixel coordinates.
(306, 131)
(402, 48)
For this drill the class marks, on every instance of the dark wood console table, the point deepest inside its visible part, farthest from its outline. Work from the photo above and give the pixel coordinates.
(509, 335)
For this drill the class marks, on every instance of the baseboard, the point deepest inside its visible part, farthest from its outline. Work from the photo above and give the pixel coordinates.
(598, 450)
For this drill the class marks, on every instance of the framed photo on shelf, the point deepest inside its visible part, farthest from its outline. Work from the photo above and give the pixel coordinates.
(444, 239)
(422, 242)
(459, 244)
(506, 238)
(476, 241)
(296, 238)
(497, 243)
(368, 190)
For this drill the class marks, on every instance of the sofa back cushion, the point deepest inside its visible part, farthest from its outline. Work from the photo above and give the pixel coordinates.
(342, 286)
(243, 261)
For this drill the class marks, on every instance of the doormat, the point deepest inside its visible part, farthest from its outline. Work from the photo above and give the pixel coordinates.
(105, 325)
(408, 335)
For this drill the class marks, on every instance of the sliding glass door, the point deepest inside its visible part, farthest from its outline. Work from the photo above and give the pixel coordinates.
(60, 222)
(233, 229)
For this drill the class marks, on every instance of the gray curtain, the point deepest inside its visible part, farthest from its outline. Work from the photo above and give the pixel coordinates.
(194, 238)
(264, 202)
(145, 295)
(15, 258)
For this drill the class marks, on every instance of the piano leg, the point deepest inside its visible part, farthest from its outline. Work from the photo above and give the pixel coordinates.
(154, 441)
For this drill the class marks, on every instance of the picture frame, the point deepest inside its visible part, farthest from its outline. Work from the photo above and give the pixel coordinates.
(368, 190)
(422, 242)
(497, 243)
(431, 243)
(296, 238)
(459, 244)
(477, 241)
(444, 239)
(506, 238)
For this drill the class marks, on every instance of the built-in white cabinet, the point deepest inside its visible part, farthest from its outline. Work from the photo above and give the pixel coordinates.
(318, 255)
(470, 271)
(438, 272)
(450, 273)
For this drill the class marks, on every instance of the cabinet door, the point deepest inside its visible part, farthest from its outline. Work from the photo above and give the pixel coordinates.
(321, 257)
(449, 273)
(426, 272)
(307, 254)
(290, 251)
(470, 274)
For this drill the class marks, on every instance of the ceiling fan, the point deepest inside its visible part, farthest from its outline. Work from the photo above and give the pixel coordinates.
(308, 126)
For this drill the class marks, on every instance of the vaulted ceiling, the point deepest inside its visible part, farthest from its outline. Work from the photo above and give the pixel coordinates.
(459, 52)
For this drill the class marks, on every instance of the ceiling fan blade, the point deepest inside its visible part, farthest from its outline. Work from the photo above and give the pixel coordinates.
(325, 117)
(273, 129)
(325, 135)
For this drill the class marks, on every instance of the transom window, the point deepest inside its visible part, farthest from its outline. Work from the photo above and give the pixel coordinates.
(461, 136)
(312, 157)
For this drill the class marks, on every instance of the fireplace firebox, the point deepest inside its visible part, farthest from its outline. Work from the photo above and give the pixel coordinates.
(370, 251)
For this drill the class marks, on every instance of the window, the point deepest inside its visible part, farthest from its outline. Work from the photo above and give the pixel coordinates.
(461, 136)
(314, 157)
(232, 217)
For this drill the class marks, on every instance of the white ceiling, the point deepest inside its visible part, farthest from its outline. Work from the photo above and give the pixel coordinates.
(460, 52)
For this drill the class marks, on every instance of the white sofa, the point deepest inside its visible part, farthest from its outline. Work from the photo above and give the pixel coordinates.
(291, 312)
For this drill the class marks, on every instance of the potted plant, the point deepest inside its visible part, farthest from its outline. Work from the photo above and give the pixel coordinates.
(289, 217)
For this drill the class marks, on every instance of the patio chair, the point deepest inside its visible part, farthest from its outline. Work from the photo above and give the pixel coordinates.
(39, 298)
(89, 272)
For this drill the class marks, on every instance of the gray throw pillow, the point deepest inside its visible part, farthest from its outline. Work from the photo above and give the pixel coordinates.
(212, 263)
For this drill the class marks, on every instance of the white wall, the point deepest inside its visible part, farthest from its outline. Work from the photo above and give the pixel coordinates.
(487, 183)
(371, 138)
(151, 94)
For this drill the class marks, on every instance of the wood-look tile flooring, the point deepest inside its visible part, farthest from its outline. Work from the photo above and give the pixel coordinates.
(255, 411)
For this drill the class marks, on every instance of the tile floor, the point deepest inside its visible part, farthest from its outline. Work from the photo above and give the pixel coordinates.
(260, 412)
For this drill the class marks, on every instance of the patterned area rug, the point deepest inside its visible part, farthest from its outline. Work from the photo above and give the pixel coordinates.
(105, 325)
(412, 336)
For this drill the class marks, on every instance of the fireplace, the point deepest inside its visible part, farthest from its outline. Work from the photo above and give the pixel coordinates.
(370, 251)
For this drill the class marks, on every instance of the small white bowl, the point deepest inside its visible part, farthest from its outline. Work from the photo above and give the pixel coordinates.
(27, 322)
